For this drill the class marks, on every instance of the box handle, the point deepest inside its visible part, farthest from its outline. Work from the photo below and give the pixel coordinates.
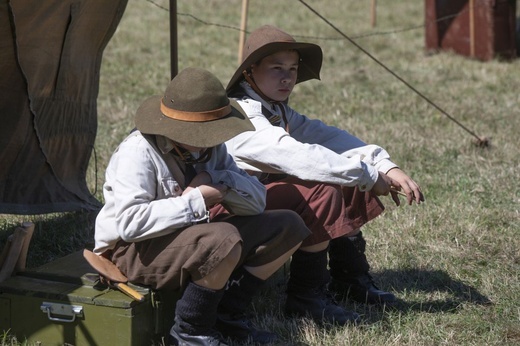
(66, 312)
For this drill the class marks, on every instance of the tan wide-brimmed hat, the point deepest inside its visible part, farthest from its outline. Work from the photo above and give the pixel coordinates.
(268, 40)
(194, 111)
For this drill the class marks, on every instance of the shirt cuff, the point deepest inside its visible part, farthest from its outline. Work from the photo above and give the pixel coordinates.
(197, 211)
(385, 165)
(369, 179)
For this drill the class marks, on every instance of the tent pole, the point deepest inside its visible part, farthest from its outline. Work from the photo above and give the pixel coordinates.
(373, 13)
(173, 38)
(471, 28)
(243, 28)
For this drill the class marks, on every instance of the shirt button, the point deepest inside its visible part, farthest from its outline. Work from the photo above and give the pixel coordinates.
(196, 214)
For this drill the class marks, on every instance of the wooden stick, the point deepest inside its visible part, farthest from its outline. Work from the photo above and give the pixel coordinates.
(471, 28)
(5, 251)
(11, 259)
(373, 13)
(243, 28)
(399, 192)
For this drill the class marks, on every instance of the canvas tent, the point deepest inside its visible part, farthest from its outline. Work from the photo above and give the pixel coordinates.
(50, 58)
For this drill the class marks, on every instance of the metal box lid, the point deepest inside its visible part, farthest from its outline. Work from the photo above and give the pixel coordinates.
(71, 279)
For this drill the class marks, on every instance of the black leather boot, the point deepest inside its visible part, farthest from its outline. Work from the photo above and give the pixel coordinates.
(307, 294)
(232, 321)
(195, 316)
(208, 337)
(349, 271)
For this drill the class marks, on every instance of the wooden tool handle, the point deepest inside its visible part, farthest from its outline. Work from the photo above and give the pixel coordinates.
(13, 253)
(130, 291)
(112, 274)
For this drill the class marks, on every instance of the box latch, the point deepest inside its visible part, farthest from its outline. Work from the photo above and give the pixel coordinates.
(61, 312)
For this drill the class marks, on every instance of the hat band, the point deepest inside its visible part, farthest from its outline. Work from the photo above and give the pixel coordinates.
(195, 116)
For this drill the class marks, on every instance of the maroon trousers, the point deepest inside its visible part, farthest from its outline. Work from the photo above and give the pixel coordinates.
(329, 211)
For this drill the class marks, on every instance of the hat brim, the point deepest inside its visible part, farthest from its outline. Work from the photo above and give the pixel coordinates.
(311, 58)
(150, 120)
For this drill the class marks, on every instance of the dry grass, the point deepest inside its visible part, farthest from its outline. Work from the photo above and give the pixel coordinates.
(454, 261)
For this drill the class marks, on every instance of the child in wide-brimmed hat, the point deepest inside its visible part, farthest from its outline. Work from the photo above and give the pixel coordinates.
(328, 176)
(160, 184)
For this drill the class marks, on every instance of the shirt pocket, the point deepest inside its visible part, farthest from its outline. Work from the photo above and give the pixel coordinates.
(169, 187)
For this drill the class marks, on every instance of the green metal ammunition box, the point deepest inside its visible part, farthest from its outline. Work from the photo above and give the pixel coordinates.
(60, 304)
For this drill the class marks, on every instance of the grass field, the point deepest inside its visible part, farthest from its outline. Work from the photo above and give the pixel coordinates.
(453, 261)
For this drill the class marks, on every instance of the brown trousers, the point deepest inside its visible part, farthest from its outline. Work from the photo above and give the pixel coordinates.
(168, 262)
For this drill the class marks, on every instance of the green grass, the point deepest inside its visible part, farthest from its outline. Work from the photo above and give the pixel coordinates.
(454, 261)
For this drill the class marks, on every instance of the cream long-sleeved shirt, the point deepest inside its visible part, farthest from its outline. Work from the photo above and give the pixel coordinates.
(311, 150)
(143, 198)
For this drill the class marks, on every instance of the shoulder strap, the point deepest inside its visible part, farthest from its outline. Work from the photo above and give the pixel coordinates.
(275, 119)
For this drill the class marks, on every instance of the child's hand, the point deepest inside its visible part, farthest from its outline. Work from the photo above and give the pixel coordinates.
(213, 193)
(382, 186)
(407, 185)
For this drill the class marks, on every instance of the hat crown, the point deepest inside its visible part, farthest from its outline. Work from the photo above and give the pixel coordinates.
(265, 35)
(267, 40)
(195, 90)
(194, 110)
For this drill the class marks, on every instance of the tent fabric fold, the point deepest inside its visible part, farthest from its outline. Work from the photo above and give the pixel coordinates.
(50, 60)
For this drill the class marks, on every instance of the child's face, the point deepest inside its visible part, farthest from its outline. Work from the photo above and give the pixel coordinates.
(276, 74)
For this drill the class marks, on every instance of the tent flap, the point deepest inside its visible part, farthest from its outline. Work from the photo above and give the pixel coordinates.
(50, 59)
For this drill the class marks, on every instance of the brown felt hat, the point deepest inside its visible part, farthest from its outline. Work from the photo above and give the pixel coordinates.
(194, 111)
(268, 40)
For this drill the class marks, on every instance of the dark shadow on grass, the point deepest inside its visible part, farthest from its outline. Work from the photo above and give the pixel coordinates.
(428, 283)
(55, 235)
(434, 281)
